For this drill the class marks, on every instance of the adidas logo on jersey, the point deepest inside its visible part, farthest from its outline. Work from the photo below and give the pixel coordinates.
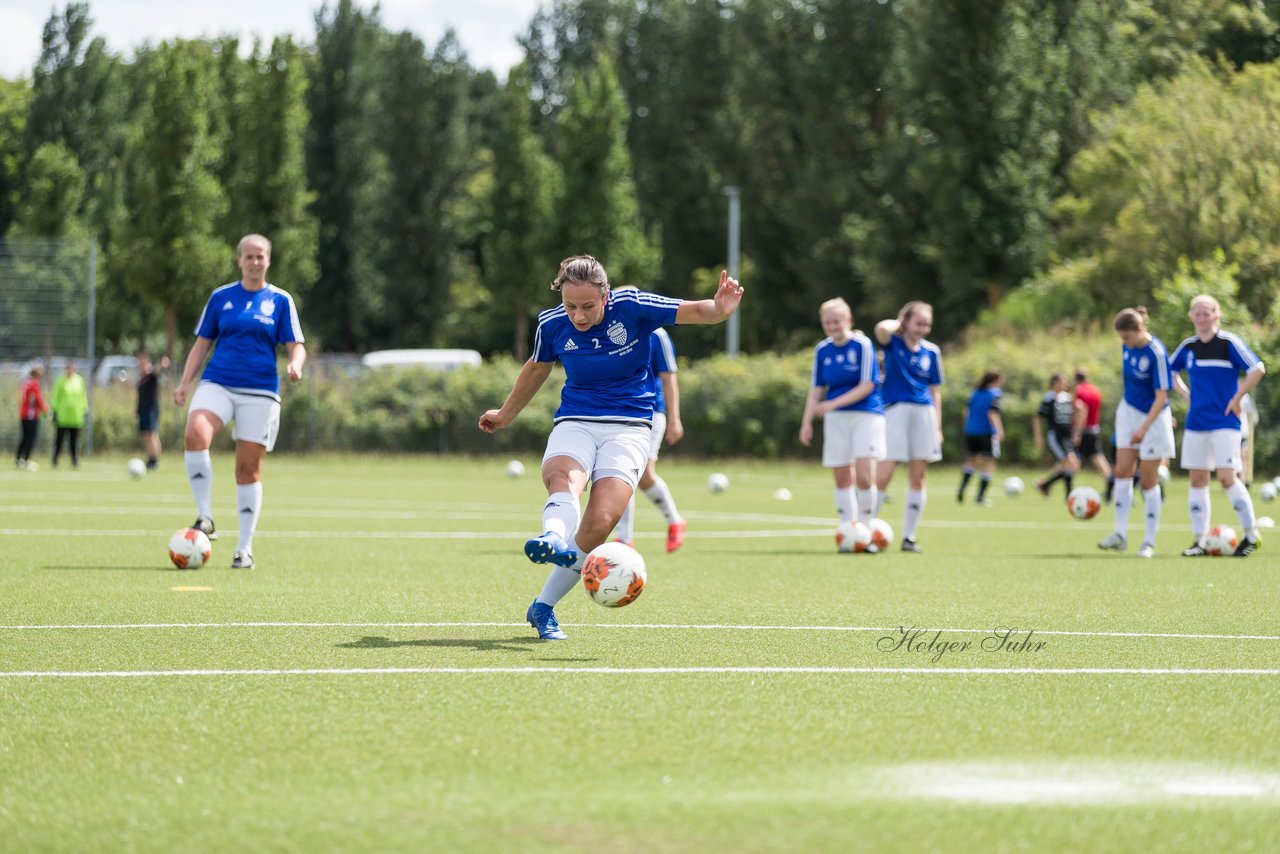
(227, 305)
(569, 345)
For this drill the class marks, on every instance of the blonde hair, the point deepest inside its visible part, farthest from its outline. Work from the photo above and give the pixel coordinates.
(913, 308)
(248, 238)
(582, 269)
(838, 304)
(1205, 299)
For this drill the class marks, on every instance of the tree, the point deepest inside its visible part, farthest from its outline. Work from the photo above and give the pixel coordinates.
(50, 203)
(525, 186)
(15, 96)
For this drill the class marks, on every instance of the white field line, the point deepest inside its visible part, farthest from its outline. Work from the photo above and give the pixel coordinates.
(893, 630)
(434, 671)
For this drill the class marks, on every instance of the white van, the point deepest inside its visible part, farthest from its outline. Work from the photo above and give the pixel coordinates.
(432, 360)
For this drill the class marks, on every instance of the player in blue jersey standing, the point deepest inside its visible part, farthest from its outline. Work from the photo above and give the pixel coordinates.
(666, 425)
(983, 433)
(844, 394)
(912, 407)
(1214, 360)
(247, 319)
(602, 426)
(1144, 428)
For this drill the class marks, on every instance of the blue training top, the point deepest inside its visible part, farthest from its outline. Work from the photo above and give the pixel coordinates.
(662, 360)
(606, 367)
(247, 326)
(1146, 371)
(908, 373)
(1213, 371)
(841, 367)
(981, 403)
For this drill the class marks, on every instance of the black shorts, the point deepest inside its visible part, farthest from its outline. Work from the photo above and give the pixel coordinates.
(1089, 443)
(148, 420)
(1060, 445)
(980, 446)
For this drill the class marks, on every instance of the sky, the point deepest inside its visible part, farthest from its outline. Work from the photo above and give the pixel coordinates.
(487, 29)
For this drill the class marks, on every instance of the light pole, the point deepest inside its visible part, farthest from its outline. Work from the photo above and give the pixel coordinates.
(735, 215)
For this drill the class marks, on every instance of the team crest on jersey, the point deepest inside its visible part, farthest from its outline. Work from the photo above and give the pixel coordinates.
(267, 307)
(617, 333)
(569, 345)
(1144, 363)
(925, 361)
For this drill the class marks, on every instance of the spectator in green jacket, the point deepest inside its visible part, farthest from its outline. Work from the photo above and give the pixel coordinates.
(70, 403)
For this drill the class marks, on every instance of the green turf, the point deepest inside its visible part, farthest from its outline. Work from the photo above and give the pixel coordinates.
(486, 742)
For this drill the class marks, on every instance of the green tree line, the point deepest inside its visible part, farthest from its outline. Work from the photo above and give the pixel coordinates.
(1015, 162)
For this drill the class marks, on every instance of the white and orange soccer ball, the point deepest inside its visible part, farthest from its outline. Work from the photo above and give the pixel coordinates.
(189, 548)
(613, 575)
(852, 537)
(881, 534)
(1221, 541)
(1084, 502)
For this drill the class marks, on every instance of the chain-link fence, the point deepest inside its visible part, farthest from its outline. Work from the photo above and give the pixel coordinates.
(46, 320)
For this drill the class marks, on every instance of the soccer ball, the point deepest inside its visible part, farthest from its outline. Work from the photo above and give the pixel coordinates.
(1221, 540)
(613, 575)
(1013, 486)
(1084, 502)
(515, 469)
(136, 468)
(718, 482)
(189, 548)
(1162, 474)
(852, 537)
(1267, 492)
(881, 534)
(782, 494)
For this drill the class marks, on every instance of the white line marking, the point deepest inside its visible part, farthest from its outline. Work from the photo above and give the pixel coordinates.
(429, 671)
(671, 626)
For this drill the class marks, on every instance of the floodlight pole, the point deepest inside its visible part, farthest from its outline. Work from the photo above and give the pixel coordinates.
(735, 217)
(93, 311)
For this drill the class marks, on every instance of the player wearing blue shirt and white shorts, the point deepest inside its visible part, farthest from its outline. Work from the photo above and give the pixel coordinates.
(1144, 427)
(1214, 360)
(666, 424)
(912, 407)
(247, 319)
(602, 427)
(845, 396)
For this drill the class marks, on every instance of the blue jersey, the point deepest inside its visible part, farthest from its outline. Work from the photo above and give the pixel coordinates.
(841, 367)
(1213, 371)
(247, 326)
(908, 373)
(662, 360)
(982, 403)
(606, 367)
(1146, 371)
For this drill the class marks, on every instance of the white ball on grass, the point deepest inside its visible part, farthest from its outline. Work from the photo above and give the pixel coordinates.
(515, 468)
(718, 482)
(136, 468)
(782, 494)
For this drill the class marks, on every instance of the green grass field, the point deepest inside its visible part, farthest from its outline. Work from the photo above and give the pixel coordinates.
(372, 686)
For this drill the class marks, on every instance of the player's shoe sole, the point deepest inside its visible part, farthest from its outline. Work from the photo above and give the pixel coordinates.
(549, 548)
(205, 524)
(543, 618)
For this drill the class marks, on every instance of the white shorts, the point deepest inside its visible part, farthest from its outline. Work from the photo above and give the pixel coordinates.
(658, 433)
(851, 435)
(603, 449)
(256, 416)
(911, 432)
(1156, 444)
(1209, 450)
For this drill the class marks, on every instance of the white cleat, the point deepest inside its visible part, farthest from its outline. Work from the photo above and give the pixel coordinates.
(1114, 541)
(1146, 550)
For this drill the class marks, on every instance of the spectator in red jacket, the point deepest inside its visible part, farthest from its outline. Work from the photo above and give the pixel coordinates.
(31, 406)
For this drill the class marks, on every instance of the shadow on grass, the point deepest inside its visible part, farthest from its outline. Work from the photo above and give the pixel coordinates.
(116, 568)
(516, 644)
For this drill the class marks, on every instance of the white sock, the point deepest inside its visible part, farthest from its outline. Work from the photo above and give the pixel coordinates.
(1154, 504)
(561, 514)
(1198, 505)
(914, 510)
(868, 501)
(200, 476)
(626, 527)
(1242, 503)
(844, 504)
(879, 502)
(660, 495)
(248, 508)
(1124, 502)
(559, 583)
